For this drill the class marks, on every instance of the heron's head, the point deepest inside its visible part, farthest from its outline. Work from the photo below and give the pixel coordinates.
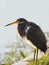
(19, 21)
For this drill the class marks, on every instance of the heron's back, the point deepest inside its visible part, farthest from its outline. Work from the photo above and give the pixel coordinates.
(36, 36)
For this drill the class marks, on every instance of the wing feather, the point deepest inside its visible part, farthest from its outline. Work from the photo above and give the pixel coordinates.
(36, 36)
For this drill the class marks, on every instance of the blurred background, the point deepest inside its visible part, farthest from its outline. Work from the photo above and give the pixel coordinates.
(33, 10)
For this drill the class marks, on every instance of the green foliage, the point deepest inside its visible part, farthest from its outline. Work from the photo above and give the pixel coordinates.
(42, 61)
(23, 54)
(12, 53)
(8, 61)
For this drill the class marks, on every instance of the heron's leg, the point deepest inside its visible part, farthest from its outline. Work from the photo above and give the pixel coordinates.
(36, 54)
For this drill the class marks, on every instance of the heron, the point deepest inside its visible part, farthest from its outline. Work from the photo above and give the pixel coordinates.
(32, 34)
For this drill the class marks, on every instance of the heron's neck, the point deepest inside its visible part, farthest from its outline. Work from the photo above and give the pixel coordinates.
(21, 28)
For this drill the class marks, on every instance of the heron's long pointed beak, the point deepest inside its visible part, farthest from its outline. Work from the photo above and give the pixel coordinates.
(16, 22)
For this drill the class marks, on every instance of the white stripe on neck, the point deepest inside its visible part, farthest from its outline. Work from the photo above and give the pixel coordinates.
(28, 28)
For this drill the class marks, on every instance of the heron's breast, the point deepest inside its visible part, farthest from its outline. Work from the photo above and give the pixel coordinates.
(24, 38)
